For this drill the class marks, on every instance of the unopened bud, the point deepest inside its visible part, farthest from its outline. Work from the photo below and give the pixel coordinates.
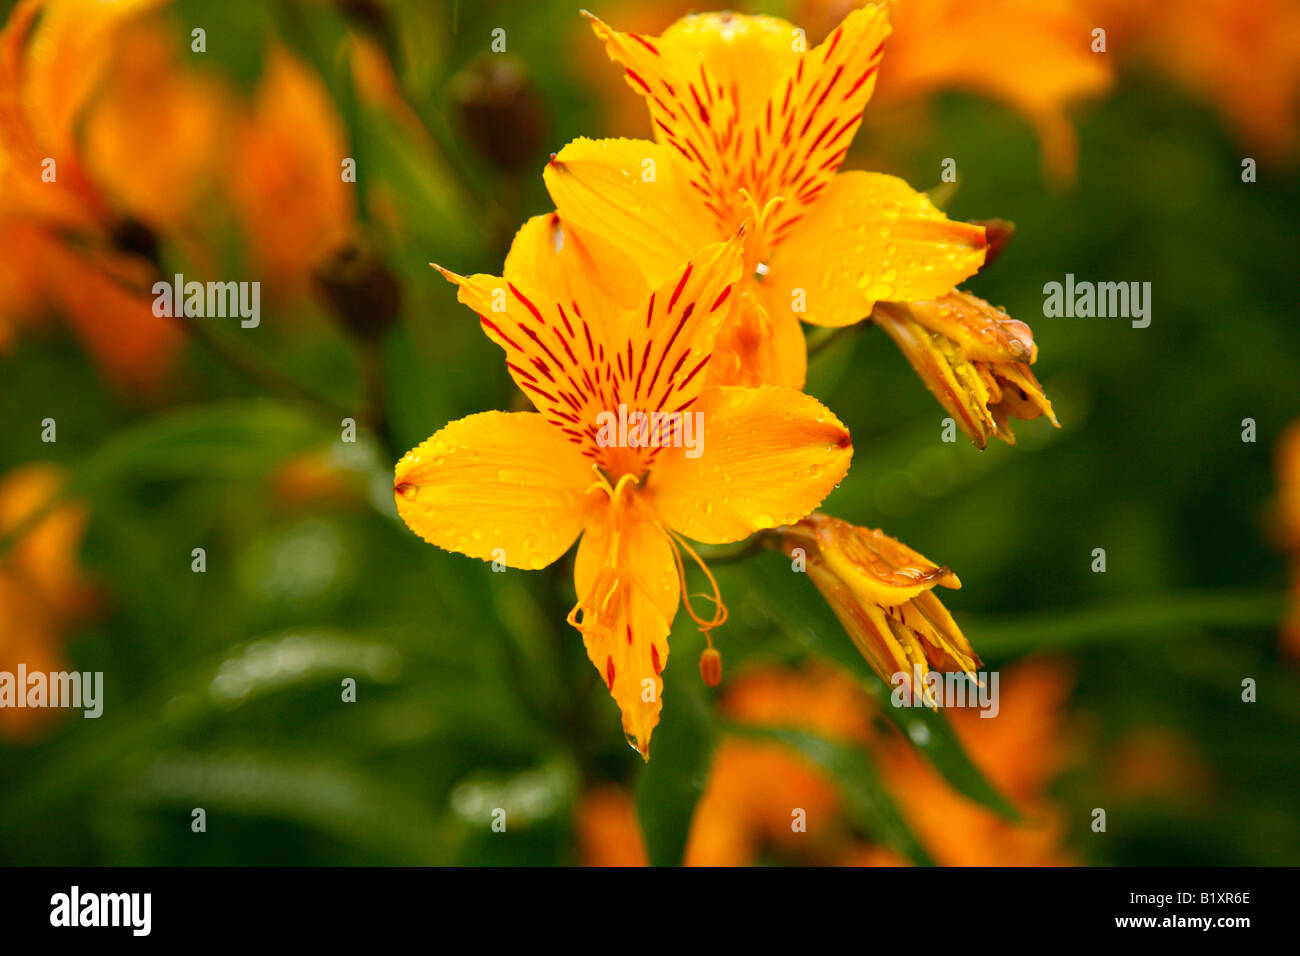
(362, 292)
(501, 113)
(711, 667)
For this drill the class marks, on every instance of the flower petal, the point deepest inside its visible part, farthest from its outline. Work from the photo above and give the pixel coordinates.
(869, 238)
(811, 116)
(628, 589)
(768, 456)
(756, 348)
(693, 114)
(731, 46)
(576, 268)
(652, 360)
(982, 331)
(497, 486)
(631, 193)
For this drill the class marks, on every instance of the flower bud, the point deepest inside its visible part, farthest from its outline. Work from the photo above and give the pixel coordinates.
(711, 667)
(500, 112)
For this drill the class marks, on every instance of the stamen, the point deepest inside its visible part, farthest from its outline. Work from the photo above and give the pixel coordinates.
(720, 610)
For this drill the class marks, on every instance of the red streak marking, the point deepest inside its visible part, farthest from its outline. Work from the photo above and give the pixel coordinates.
(680, 285)
(509, 341)
(533, 388)
(531, 308)
(704, 111)
(565, 319)
(640, 82)
(695, 371)
(834, 41)
(645, 43)
(862, 79)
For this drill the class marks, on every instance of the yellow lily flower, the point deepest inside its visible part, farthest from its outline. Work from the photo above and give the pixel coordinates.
(974, 358)
(749, 125)
(882, 592)
(518, 488)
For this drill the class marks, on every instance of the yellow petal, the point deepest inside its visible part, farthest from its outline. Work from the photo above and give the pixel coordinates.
(631, 193)
(745, 55)
(973, 358)
(628, 590)
(652, 360)
(882, 569)
(756, 348)
(769, 455)
(955, 382)
(497, 486)
(576, 268)
(812, 114)
(693, 114)
(869, 238)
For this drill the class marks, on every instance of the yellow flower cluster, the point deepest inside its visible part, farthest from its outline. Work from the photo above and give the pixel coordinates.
(654, 322)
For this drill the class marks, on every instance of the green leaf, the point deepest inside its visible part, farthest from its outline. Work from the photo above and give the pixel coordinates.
(866, 801)
(215, 440)
(674, 779)
(315, 790)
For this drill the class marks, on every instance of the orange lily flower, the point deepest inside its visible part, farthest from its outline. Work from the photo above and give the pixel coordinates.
(883, 593)
(1020, 750)
(755, 785)
(1032, 55)
(750, 126)
(1243, 59)
(42, 588)
(70, 212)
(519, 488)
(289, 158)
(974, 358)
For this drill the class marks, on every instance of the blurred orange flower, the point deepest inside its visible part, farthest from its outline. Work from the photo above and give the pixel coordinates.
(755, 785)
(42, 589)
(1034, 56)
(1241, 58)
(78, 219)
(1020, 750)
(1287, 457)
(287, 182)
